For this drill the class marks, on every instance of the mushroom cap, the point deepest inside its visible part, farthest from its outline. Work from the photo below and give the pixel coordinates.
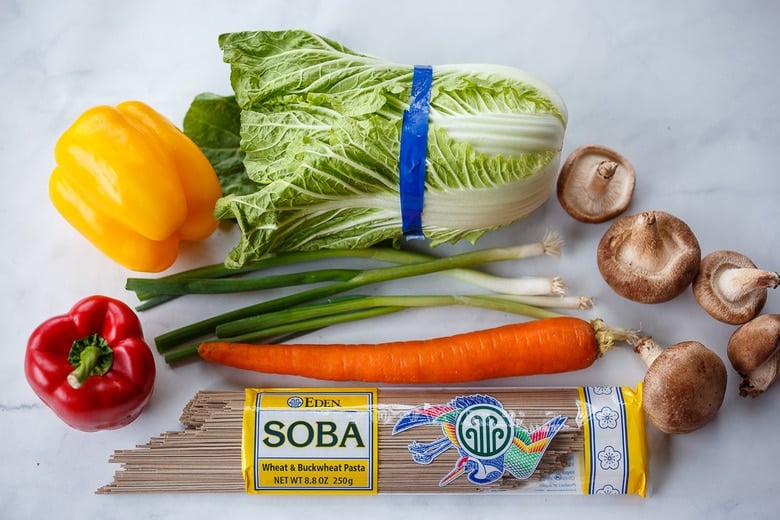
(711, 298)
(754, 352)
(590, 199)
(754, 342)
(649, 257)
(684, 387)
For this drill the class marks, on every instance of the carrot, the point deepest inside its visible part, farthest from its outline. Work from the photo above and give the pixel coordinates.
(543, 346)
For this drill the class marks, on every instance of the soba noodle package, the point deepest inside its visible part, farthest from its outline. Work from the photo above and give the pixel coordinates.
(586, 440)
(578, 440)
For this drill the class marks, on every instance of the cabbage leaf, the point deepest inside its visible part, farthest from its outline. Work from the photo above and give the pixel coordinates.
(213, 122)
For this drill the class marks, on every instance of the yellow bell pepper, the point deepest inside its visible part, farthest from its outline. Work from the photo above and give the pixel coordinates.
(134, 185)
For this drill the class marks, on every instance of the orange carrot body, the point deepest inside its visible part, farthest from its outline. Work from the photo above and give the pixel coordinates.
(543, 346)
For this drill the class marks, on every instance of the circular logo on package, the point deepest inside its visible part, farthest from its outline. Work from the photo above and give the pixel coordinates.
(484, 431)
(295, 402)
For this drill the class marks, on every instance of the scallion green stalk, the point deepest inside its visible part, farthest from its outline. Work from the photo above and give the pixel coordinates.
(216, 279)
(208, 326)
(310, 317)
(285, 321)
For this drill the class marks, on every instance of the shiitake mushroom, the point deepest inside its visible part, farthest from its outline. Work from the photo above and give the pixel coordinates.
(684, 386)
(649, 257)
(754, 352)
(595, 184)
(730, 288)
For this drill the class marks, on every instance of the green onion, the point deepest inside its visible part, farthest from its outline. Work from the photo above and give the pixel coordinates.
(269, 324)
(360, 278)
(212, 279)
(287, 332)
(315, 316)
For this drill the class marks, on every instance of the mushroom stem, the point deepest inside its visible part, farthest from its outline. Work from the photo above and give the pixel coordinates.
(645, 248)
(648, 349)
(600, 178)
(735, 283)
(758, 380)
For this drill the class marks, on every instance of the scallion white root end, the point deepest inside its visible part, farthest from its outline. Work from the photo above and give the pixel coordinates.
(552, 244)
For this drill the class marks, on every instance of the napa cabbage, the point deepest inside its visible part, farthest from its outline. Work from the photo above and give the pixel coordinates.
(318, 128)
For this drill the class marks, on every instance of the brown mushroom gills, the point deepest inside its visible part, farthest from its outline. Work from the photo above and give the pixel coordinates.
(650, 257)
(684, 385)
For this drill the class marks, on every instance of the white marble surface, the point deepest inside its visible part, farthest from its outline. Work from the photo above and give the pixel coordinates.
(687, 90)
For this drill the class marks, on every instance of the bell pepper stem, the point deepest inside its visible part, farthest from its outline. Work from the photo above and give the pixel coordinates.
(88, 359)
(91, 356)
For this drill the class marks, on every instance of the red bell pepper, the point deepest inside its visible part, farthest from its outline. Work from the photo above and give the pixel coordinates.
(92, 366)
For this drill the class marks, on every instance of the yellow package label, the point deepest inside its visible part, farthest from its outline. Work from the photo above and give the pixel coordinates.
(614, 461)
(310, 441)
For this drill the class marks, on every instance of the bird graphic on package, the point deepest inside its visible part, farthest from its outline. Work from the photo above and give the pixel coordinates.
(487, 440)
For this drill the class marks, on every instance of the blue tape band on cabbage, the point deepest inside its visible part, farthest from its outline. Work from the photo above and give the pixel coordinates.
(414, 145)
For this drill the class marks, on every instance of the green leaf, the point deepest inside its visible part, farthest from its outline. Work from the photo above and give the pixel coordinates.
(213, 122)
